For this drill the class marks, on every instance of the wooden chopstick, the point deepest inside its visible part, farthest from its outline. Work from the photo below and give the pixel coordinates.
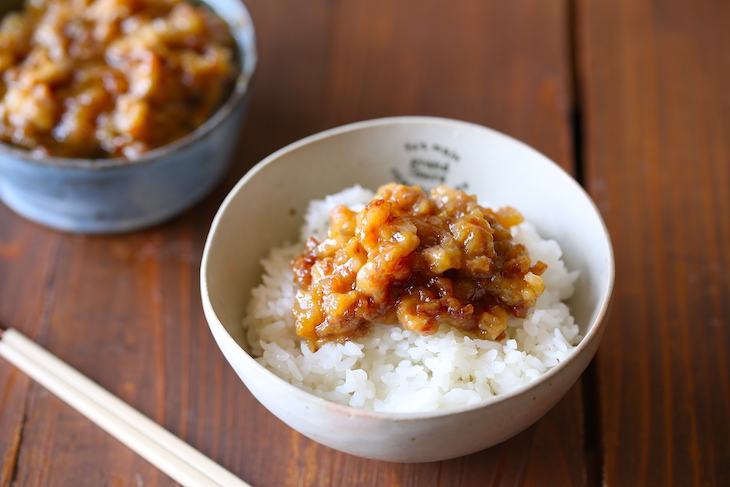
(180, 461)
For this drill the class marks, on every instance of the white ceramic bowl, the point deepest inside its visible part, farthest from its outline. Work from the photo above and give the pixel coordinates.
(265, 209)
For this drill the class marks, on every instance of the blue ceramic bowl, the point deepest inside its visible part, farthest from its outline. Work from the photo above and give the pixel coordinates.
(119, 195)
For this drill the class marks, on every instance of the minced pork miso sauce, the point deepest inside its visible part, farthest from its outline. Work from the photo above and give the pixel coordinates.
(417, 259)
(110, 78)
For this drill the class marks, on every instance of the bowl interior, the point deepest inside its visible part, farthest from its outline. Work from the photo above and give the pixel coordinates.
(266, 208)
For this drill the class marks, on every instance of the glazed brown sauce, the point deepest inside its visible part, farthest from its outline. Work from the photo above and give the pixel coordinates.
(419, 260)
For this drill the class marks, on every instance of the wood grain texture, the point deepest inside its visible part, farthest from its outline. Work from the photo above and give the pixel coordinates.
(125, 310)
(658, 164)
(27, 270)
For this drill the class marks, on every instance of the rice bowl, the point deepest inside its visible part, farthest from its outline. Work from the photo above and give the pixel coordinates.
(265, 209)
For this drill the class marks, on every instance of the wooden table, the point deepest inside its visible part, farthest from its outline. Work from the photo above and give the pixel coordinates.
(631, 96)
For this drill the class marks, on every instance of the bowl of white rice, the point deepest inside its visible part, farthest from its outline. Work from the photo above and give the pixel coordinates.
(394, 394)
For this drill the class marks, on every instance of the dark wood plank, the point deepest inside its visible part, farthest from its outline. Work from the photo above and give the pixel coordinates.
(505, 65)
(655, 77)
(27, 270)
(125, 310)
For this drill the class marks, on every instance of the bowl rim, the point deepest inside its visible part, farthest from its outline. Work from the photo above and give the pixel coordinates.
(248, 56)
(595, 330)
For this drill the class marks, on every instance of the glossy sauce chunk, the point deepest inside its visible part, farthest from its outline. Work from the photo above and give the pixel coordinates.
(415, 259)
(110, 78)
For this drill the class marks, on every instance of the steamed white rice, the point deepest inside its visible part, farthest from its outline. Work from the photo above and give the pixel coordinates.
(393, 369)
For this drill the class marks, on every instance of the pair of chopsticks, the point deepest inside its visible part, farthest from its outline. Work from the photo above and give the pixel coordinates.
(180, 461)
